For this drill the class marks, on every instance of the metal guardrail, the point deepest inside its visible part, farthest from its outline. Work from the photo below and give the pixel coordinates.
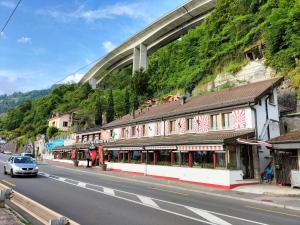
(35, 209)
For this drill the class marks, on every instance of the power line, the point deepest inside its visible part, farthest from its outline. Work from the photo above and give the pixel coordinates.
(9, 18)
(94, 61)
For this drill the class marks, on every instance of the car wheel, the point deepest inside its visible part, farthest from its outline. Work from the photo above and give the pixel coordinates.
(12, 173)
(4, 170)
(35, 175)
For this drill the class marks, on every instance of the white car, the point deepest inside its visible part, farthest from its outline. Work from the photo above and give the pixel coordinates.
(7, 152)
(21, 166)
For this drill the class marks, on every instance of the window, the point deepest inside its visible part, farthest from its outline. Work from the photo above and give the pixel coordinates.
(144, 130)
(53, 124)
(123, 131)
(65, 124)
(158, 127)
(215, 122)
(111, 133)
(271, 99)
(190, 124)
(133, 131)
(172, 126)
(227, 120)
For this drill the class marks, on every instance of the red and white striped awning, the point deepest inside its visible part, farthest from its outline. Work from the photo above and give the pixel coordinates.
(112, 149)
(254, 142)
(131, 148)
(167, 147)
(200, 147)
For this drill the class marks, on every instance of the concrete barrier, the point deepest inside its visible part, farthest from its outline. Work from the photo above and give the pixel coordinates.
(35, 209)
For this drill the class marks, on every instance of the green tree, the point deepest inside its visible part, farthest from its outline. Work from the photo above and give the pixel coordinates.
(99, 112)
(110, 112)
(51, 131)
(127, 101)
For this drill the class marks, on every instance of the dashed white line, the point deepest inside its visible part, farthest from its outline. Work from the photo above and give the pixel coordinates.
(81, 184)
(147, 201)
(109, 191)
(210, 217)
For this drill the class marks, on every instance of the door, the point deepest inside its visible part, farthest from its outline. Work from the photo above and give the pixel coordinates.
(285, 161)
(247, 161)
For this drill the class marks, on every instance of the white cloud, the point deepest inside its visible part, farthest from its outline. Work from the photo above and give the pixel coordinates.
(18, 80)
(24, 40)
(8, 4)
(108, 46)
(90, 15)
(2, 35)
(74, 78)
(88, 61)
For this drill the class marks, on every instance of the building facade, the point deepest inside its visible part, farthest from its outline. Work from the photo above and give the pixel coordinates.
(62, 121)
(216, 139)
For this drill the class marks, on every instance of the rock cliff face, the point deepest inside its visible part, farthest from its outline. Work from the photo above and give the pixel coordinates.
(254, 71)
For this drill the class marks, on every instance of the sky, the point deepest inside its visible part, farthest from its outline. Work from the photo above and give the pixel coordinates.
(47, 41)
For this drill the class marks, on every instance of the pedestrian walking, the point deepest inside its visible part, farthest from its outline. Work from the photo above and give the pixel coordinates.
(88, 158)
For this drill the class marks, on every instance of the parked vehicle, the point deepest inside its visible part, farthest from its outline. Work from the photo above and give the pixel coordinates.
(7, 152)
(27, 154)
(21, 166)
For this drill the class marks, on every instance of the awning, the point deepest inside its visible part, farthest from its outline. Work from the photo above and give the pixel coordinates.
(171, 147)
(200, 147)
(254, 142)
(123, 148)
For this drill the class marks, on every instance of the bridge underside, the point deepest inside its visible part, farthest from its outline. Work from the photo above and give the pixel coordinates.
(136, 49)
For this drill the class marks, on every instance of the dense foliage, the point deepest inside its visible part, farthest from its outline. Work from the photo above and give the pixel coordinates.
(220, 41)
(11, 101)
(217, 45)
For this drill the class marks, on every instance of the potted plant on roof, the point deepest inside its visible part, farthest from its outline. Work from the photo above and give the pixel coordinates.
(75, 157)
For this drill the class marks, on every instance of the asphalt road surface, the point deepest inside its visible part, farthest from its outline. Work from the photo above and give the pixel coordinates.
(89, 198)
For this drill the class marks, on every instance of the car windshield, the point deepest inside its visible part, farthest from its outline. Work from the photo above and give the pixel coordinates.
(23, 160)
(28, 154)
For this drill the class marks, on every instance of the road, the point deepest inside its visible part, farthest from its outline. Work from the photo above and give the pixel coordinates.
(91, 198)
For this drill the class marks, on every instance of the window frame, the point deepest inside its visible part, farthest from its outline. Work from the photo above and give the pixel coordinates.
(188, 129)
(133, 131)
(230, 121)
(218, 122)
(172, 126)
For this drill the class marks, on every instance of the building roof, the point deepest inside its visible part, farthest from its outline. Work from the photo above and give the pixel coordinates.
(229, 97)
(292, 136)
(91, 130)
(212, 137)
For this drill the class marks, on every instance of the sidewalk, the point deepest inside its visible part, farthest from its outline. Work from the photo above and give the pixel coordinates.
(272, 195)
(8, 218)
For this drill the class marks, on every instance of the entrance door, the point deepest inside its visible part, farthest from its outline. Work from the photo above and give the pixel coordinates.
(247, 161)
(285, 161)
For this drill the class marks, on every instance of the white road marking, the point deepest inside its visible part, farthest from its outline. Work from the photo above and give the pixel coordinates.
(61, 179)
(109, 191)
(44, 174)
(176, 187)
(147, 201)
(81, 184)
(165, 210)
(210, 217)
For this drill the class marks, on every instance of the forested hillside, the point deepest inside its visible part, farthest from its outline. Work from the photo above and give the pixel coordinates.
(217, 45)
(11, 101)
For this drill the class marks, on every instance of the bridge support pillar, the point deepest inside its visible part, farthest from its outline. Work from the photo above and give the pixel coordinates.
(139, 58)
(92, 82)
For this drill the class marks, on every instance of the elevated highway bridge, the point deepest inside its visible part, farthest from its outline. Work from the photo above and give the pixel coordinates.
(161, 32)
